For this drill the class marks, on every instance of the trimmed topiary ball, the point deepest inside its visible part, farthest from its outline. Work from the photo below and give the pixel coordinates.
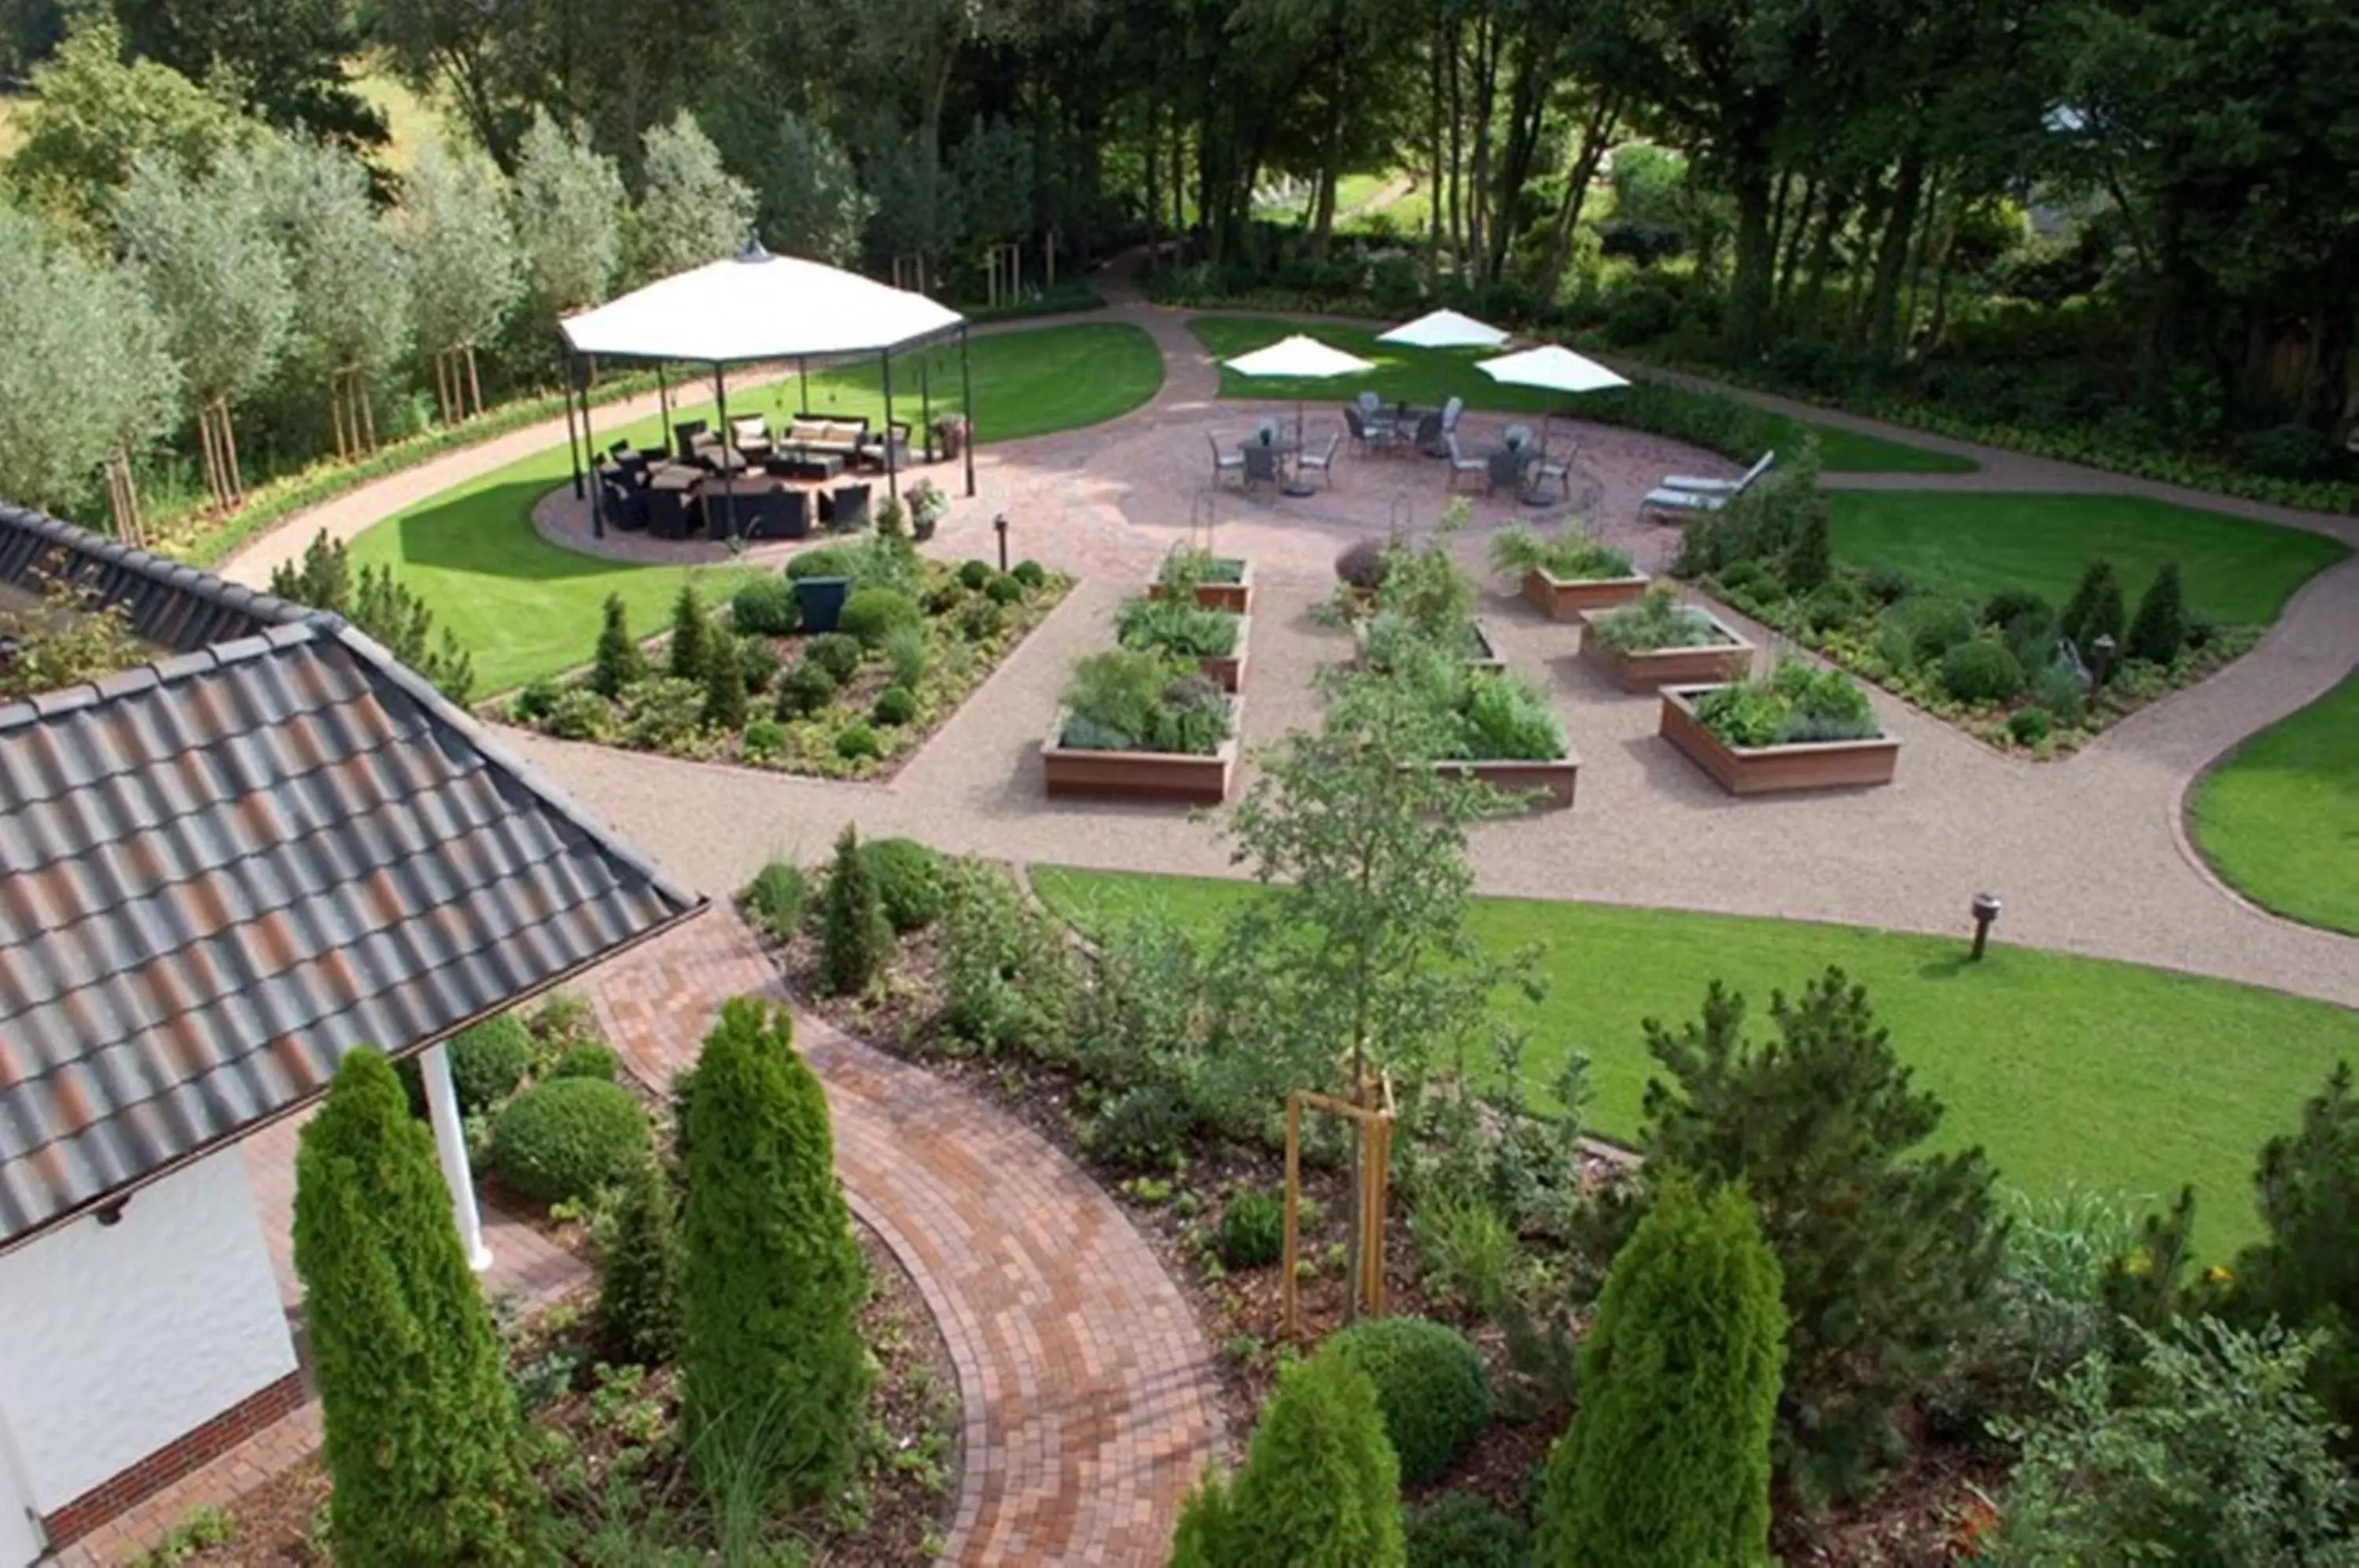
(561, 1141)
(835, 652)
(805, 689)
(1432, 1385)
(872, 614)
(1981, 672)
(1253, 1230)
(908, 877)
(2029, 726)
(975, 574)
(895, 705)
(827, 560)
(597, 1061)
(489, 1061)
(1003, 589)
(857, 743)
(766, 607)
(758, 662)
(1031, 573)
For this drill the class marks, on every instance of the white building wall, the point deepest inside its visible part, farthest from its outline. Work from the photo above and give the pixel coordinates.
(117, 1339)
(20, 1541)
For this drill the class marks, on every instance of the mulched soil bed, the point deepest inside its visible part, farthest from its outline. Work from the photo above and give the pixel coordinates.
(1912, 1523)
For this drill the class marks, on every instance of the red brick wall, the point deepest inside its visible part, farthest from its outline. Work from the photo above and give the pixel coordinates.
(175, 1459)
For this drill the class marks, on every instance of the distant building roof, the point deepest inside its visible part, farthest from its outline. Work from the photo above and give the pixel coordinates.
(221, 871)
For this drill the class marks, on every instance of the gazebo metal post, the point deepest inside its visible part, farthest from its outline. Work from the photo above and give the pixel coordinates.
(590, 453)
(892, 470)
(925, 398)
(721, 416)
(966, 407)
(663, 407)
(572, 452)
(802, 374)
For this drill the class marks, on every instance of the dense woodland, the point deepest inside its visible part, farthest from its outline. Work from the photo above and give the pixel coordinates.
(2130, 220)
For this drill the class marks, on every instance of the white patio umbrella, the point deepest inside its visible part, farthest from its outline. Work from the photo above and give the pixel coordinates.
(1299, 358)
(1445, 329)
(1553, 368)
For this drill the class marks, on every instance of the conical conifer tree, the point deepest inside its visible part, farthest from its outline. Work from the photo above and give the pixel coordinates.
(687, 636)
(423, 1439)
(618, 661)
(1320, 1487)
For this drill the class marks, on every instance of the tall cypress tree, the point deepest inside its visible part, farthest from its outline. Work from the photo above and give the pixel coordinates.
(854, 937)
(688, 639)
(724, 682)
(772, 1372)
(1320, 1488)
(1667, 1462)
(618, 661)
(423, 1439)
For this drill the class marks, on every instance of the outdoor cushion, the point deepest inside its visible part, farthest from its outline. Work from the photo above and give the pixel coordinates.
(752, 429)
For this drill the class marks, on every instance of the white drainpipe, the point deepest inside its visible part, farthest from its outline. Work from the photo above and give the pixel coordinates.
(450, 1143)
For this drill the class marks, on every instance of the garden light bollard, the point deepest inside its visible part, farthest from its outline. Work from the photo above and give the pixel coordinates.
(999, 526)
(1985, 915)
(2102, 648)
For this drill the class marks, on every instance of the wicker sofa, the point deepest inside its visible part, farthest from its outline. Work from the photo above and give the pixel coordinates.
(823, 438)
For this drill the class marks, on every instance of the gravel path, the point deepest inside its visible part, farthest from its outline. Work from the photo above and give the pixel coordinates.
(2088, 853)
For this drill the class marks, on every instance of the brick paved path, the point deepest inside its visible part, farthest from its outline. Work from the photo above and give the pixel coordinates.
(1089, 1395)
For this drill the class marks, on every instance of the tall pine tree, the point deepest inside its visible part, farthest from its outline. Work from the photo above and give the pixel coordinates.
(774, 1374)
(687, 636)
(1667, 1462)
(423, 1439)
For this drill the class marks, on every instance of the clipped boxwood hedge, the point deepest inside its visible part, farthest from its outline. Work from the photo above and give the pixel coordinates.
(561, 1140)
(1430, 1380)
(489, 1061)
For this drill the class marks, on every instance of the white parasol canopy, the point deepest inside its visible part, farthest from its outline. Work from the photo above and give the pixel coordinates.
(1445, 329)
(1553, 367)
(756, 307)
(1299, 356)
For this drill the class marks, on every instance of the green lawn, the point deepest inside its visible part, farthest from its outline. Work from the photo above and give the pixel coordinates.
(525, 608)
(2067, 1071)
(1972, 544)
(2279, 819)
(1431, 375)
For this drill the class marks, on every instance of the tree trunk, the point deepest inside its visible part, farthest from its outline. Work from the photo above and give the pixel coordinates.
(1457, 149)
(1831, 222)
(1892, 254)
(1797, 229)
(1586, 155)
(1433, 217)
(1526, 103)
(2330, 364)
(1756, 257)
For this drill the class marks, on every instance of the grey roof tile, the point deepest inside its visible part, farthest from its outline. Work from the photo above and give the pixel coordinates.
(221, 872)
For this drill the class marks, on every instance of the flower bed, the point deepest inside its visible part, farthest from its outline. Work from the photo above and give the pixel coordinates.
(1659, 642)
(1568, 574)
(1143, 726)
(917, 636)
(1798, 728)
(1218, 581)
(1184, 629)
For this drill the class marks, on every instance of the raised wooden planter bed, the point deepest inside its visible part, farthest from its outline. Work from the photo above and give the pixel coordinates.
(1553, 780)
(1704, 664)
(1569, 598)
(1228, 671)
(1236, 597)
(1486, 657)
(1761, 770)
(1141, 775)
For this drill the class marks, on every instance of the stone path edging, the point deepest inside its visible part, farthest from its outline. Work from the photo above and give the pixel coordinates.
(1089, 1401)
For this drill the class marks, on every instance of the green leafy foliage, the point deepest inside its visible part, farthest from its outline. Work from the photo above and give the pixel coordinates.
(2306, 1274)
(2158, 631)
(2095, 609)
(1980, 670)
(855, 938)
(804, 688)
(1431, 1383)
(838, 653)
(758, 662)
(563, 1138)
(581, 714)
(725, 683)
(488, 1060)
(1657, 620)
(1320, 1487)
(380, 607)
(1667, 1461)
(774, 900)
(423, 1443)
(2029, 726)
(909, 881)
(1252, 1229)
(591, 1061)
(894, 705)
(1178, 625)
(872, 614)
(1889, 1254)
(766, 607)
(1518, 552)
(1029, 574)
(1795, 703)
(1466, 1530)
(1121, 700)
(2206, 1450)
(857, 743)
(1007, 971)
(638, 1271)
(773, 1373)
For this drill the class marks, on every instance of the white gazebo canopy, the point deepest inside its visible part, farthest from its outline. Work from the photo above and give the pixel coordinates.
(1445, 329)
(1299, 356)
(1552, 368)
(757, 307)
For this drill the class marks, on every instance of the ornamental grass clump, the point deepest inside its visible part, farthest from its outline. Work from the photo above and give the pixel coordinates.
(1123, 699)
(1519, 553)
(1177, 624)
(1793, 705)
(1656, 621)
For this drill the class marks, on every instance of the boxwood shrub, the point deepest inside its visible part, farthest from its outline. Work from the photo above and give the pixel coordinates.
(908, 877)
(766, 607)
(489, 1061)
(1432, 1385)
(561, 1140)
(596, 1061)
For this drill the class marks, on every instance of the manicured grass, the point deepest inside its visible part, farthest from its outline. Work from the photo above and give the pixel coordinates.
(2279, 819)
(1431, 376)
(2067, 1071)
(525, 608)
(2236, 572)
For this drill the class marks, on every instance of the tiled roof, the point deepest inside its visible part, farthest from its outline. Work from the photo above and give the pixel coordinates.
(169, 602)
(220, 872)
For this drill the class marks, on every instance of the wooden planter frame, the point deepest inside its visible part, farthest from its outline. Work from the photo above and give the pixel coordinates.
(1554, 780)
(1571, 598)
(1141, 775)
(1236, 597)
(1489, 658)
(1651, 670)
(1761, 770)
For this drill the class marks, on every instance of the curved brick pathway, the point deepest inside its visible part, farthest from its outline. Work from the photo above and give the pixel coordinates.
(1090, 1400)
